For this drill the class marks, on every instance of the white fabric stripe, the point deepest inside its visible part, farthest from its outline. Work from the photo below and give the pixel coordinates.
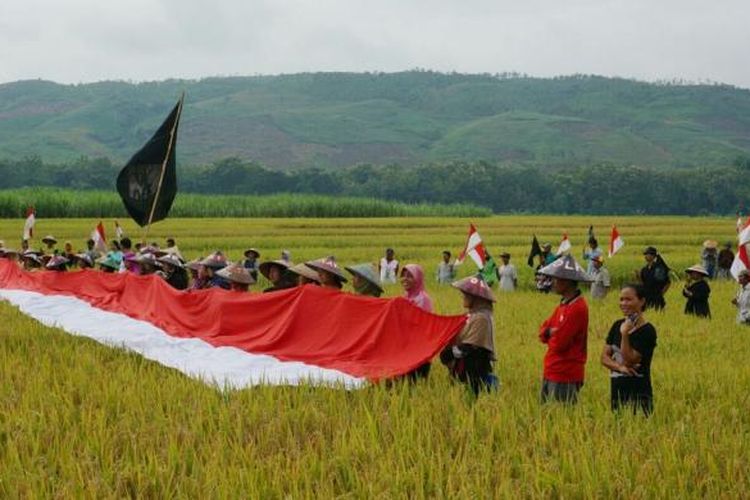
(220, 366)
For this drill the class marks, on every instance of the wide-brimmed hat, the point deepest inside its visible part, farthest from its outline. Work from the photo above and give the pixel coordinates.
(565, 268)
(195, 265)
(49, 239)
(109, 262)
(215, 261)
(237, 274)
(148, 259)
(650, 251)
(252, 250)
(697, 269)
(85, 258)
(366, 272)
(171, 259)
(303, 270)
(547, 246)
(33, 256)
(8, 251)
(56, 261)
(711, 244)
(153, 250)
(474, 286)
(329, 265)
(266, 266)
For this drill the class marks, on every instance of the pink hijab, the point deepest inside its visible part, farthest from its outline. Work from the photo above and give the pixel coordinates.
(417, 295)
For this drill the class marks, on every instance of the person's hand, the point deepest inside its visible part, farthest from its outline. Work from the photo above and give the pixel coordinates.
(627, 370)
(626, 327)
(734, 301)
(457, 353)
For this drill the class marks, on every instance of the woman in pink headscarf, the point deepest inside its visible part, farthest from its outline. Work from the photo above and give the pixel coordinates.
(412, 279)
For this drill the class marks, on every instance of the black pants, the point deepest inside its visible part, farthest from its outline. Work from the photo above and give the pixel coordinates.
(632, 393)
(472, 368)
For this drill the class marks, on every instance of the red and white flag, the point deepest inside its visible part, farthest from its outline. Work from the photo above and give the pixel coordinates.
(28, 227)
(237, 339)
(741, 260)
(119, 233)
(615, 241)
(474, 248)
(100, 241)
(565, 245)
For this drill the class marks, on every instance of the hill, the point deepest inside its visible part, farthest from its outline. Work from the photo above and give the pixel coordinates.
(340, 119)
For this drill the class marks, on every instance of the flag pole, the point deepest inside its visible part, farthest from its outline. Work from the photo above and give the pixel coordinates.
(163, 168)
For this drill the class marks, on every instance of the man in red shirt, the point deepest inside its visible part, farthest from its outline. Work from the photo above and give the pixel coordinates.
(565, 332)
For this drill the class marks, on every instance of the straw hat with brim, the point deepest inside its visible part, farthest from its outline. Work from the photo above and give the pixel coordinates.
(108, 262)
(303, 270)
(565, 268)
(171, 259)
(214, 261)
(237, 274)
(252, 250)
(49, 239)
(85, 258)
(366, 272)
(711, 244)
(195, 265)
(148, 259)
(697, 269)
(266, 266)
(8, 251)
(474, 286)
(328, 266)
(56, 261)
(31, 255)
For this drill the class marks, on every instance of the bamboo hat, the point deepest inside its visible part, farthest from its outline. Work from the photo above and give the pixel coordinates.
(697, 269)
(303, 270)
(49, 239)
(32, 256)
(237, 274)
(252, 251)
(713, 244)
(56, 262)
(367, 272)
(329, 265)
(474, 286)
(215, 261)
(109, 262)
(148, 259)
(265, 267)
(171, 259)
(565, 268)
(84, 258)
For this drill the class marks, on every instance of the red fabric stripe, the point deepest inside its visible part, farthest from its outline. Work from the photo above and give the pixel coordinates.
(360, 336)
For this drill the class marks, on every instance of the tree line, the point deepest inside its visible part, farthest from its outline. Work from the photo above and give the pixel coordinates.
(586, 189)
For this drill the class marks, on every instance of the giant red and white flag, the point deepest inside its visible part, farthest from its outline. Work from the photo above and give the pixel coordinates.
(474, 248)
(28, 226)
(100, 241)
(306, 334)
(565, 245)
(615, 242)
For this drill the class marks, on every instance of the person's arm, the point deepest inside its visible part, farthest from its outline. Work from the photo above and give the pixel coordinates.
(629, 354)
(608, 362)
(545, 331)
(569, 330)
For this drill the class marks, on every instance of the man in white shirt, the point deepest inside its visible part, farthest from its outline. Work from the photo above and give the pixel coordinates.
(389, 267)
(742, 301)
(600, 285)
(508, 274)
(446, 272)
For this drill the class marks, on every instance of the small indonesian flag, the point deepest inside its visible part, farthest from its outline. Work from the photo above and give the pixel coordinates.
(743, 232)
(100, 241)
(119, 233)
(474, 248)
(615, 242)
(28, 227)
(565, 245)
(741, 262)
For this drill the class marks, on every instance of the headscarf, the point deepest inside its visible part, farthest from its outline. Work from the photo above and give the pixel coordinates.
(417, 294)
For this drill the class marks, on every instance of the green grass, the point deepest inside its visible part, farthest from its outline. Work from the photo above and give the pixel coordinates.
(52, 202)
(78, 419)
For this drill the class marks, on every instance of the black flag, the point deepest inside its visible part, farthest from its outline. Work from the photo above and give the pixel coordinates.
(535, 250)
(148, 183)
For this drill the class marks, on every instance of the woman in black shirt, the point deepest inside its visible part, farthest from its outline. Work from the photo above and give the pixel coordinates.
(696, 292)
(628, 352)
(655, 278)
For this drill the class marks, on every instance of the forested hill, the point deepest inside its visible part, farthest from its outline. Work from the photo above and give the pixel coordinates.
(340, 119)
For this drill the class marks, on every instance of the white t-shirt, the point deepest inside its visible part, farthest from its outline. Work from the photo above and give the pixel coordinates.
(388, 270)
(508, 277)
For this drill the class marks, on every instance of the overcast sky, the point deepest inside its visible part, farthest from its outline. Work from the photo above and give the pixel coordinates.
(75, 41)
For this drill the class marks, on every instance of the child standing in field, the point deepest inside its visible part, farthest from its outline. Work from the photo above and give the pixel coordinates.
(697, 291)
(628, 352)
(469, 357)
(565, 332)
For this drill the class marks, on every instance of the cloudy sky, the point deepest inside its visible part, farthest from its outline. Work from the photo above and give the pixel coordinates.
(75, 41)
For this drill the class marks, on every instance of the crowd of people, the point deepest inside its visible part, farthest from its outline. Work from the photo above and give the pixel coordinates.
(629, 345)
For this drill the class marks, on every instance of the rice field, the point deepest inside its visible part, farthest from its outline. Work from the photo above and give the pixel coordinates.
(78, 419)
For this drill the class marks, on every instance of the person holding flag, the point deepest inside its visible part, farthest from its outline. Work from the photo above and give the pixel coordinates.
(592, 252)
(615, 242)
(490, 273)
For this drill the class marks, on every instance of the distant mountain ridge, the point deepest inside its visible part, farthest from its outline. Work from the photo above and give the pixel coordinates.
(341, 119)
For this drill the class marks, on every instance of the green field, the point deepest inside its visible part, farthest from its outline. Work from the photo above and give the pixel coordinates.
(78, 419)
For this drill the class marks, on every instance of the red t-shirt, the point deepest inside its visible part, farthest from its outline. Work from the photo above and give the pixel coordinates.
(566, 347)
